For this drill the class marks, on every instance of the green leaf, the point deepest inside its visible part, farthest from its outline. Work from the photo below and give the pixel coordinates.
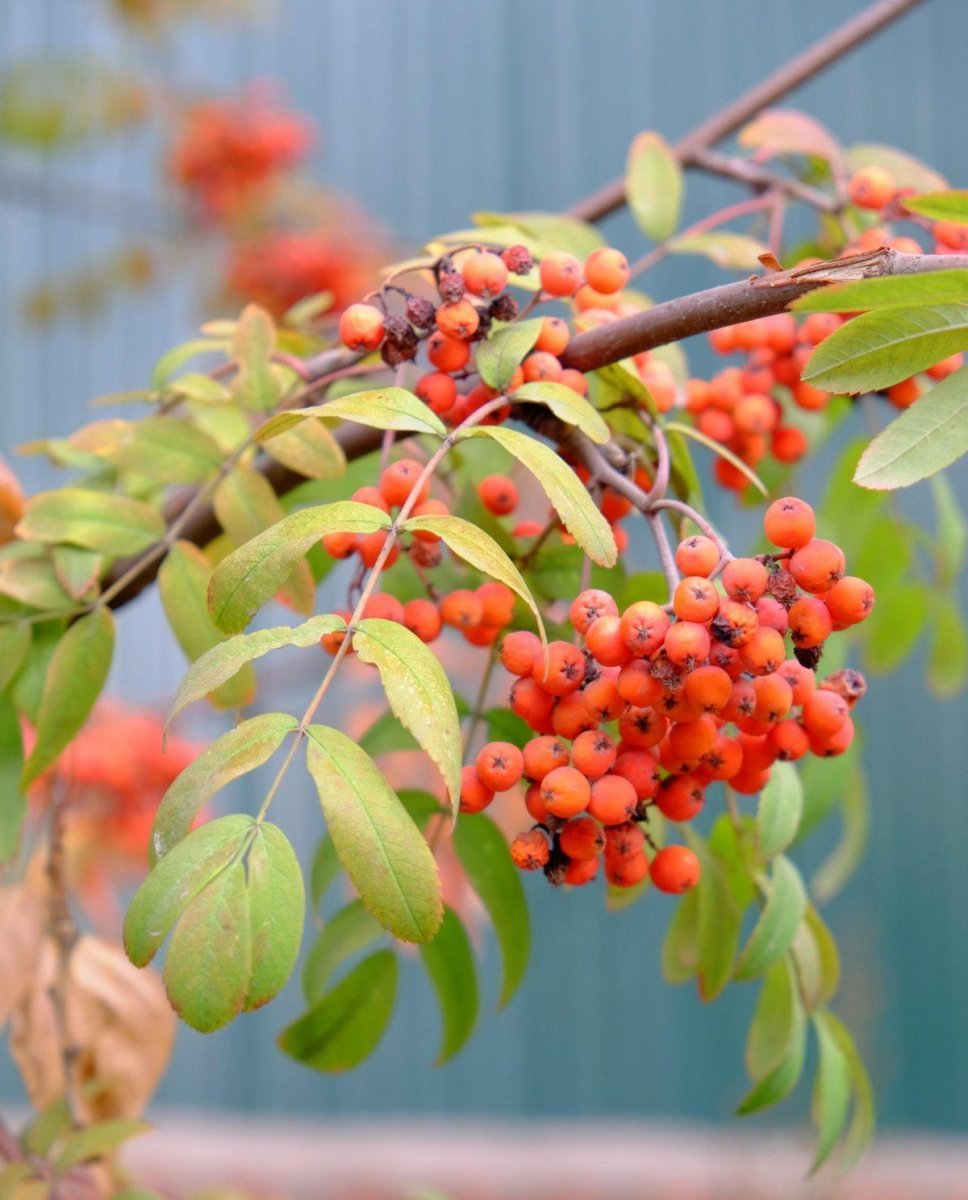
(15, 640)
(13, 803)
(680, 948)
(543, 232)
(170, 363)
(308, 449)
(563, 488)
(773, 1029)
(228, 657)
(255, 385)
(781, 804)
(896, 625)
(948, 656)
(842, 861)
(346, 933)
(772, 936)
(345, 1026)
(950, 205)
(567, 406)
(818, 962)
(784, 1077)
(732, 251)
(77, 570)
(380, 847)
(97, 1141)
(176, 879)
(47, 1128)
(887, 291)
(501, 354)
(483, 853)
(251, 575)
(277, 906)
(325, 870)
(169, 450)
(202, 389)
(183, 581)
(208, 964)
(719, 924)
(480, 551)
(112, 524)
(449, 961)
(229, 757)
(861, 1129)
(77, 674)
(951, 537)
(880, 348)
(653, 185)
(418, 691)
(386, 735)
(34, 582)
(831, 1091)
(925, 438)
(718, 448)
(382, 408)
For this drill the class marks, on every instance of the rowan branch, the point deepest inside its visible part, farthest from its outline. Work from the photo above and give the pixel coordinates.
(797, 71)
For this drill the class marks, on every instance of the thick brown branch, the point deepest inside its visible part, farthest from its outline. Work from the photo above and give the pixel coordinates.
(811, 62)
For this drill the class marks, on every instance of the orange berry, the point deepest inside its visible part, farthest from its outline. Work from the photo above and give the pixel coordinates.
(789, 523)
(532, 704)
(830, 744)
(613, 800)
(690, 740)
(695, 599)
(332, 641)
(564, 671)
(818, 565)
(582, 839)
(627, 872)
(788, 444)
(497, 604)
(422, 618)
(756, 414)
(735, 623)
(642, 728)
(724, 760)
(602, 700)
(498, 494)
(637, 684)
(570, 716)
(530, 851)
(447, 353)
(871, 187)
(535, 805)
(459, 320)
(385, 607)
(680, 797)
(810, 622)
(429, 508)
(361, 328)
(518, 651)
(607, 270)
(438, 391)
(593, 753)
(643, 628)
(708, 688)
(484, 274)
(849, 601)
(824, 713)
(675, 869)
(570, 378)
(697, 555)
(566, 792)
(687, 644)
(339, 545)
(801, 679)
(641, 770)
(763, 653)
(541, 367)
(397, 481)
(370, 547)
(745, 579)
(622, 841)
(774, 698)
(604, 639)
(580, 871)
(904, 394)
(543, 754)
(499, 766)
(553, 336)
(771, 612)
(462, 609)
(560, 274)
(371, 495)
(789, 741)
(588, 606)
(474, 796)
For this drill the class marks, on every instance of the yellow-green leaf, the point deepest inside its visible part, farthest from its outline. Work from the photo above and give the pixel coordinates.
(772, 936)
(309, 449)
(502, 353)
(277, 905)
(449, 961)
(567, 406)
(114, 525)
(382, 408)
(168, 450)
(653, 185)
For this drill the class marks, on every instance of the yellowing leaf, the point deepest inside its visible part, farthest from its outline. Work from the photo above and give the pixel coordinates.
(114, 525)
(653, 185)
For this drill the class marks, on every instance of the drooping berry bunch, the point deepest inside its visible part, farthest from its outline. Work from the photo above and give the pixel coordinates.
(660, 702)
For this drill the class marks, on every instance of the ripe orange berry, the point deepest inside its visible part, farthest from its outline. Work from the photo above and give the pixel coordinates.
(446, 353)
(370, 547)
(788, 740)
(429, 508)
(871, 187)
(641, 770)
(745, 579)
(553, 336)
(789, 523)
(422, 618)
(613, 800)
(830, 744)
(566, 792)
(564, 670)
(695, 599)
(339, 545)
(588, 606)
(818, 565)
(462, 609)
(371, 495)
(500, 766)
(593, 753)
(690, 740)
(497, 604)
(810, 622)
(607, 270)
(849, 601)
(697, 555)
(535, 805)
(763, 653)
(438, 391)
(602, 700)
(687, 644)
(953, 234)
(570, 378)
(643, 628)
(623, 841)
(582, 839)
(518, 651)
(484, 274)
(530, 851)
(788, 444)
(627, 872)
(397, 481)
(532, 704)
(605, 641)
(771, 612)
(560, 274)
(331, 642)
(904, 394)
(801, 679)
(708, 688)
(361, 328)
(385, 607)
(498, 494)
(543, 754)
(459, 320)
(824, 713)
(571, 716)
(724, 760)
(735, 624)
(580, 871)
(474, 796)
(642, 728)
(774, 698)
(680, 797)
(638, 685)
(541, 367)
(675, 869)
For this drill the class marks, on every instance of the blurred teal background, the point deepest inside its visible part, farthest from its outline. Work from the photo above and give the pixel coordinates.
(430, 110)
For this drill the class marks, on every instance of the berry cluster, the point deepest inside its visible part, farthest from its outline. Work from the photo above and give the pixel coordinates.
(480, 614)
(658, 704)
